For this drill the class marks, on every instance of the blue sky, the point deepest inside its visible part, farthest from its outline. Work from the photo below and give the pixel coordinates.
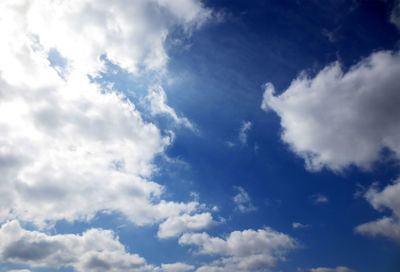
(190, 135)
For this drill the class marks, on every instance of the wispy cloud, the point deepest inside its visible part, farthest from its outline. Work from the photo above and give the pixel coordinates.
(243, 200)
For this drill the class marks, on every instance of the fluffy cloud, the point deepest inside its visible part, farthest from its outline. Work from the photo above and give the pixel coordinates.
(325, 269)
(242, 250)
(337, 118)
(176, 225)
(130, 33)
(94, 250)
(388, 198)
(69, 147)
(176, 267)
(243, 201)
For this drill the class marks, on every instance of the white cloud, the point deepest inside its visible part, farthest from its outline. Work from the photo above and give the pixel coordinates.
(158, 105)
(95, 250)
(325, 269)
(19, 270)
(337, 118)
(130, 33)
(246, 250)
(244, 130)
(297, 225)
(176, 225)
(70, 148)
(388, 198)
(243, 201)
(176, 267)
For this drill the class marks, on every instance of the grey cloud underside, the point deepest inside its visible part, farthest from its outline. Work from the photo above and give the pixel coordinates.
(337, 118)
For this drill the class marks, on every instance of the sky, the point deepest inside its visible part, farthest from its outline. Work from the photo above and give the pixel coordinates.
(199, 135)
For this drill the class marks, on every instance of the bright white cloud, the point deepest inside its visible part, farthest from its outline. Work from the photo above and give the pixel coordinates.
(70, 148)
(244, 130)
(158, 105)
(337, 118)
(389, 199)
(130, 33)
(243, 201)
(176, 267)
(246, 250)
(325, 269)
(94, 250)
(176, 225)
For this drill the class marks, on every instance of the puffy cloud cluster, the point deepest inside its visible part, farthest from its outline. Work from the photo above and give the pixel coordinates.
(388, 198)
(246, 250)
(70, 148)
(336, 119)
(130, 34)
(94, 250)
(176, 225)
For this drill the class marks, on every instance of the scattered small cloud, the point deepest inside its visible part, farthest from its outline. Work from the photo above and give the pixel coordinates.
(319, 198)
(243, 200)
(297, 225)
(244, 130)
(380, 200)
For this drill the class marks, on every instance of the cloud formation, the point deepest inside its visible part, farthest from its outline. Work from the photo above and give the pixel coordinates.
(246, 250)
(336, 119)
(69, 147)
(176, 225)
(94, 250)
(389, 199)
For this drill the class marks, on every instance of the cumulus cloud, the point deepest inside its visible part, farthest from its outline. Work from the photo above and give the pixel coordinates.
(243, 201)
(176, 267)
(325, 269)
(94, 250)
(244, 130)
(176, 225)
(69, 147)
(336, 119)
(246, 250)
(388, 198)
